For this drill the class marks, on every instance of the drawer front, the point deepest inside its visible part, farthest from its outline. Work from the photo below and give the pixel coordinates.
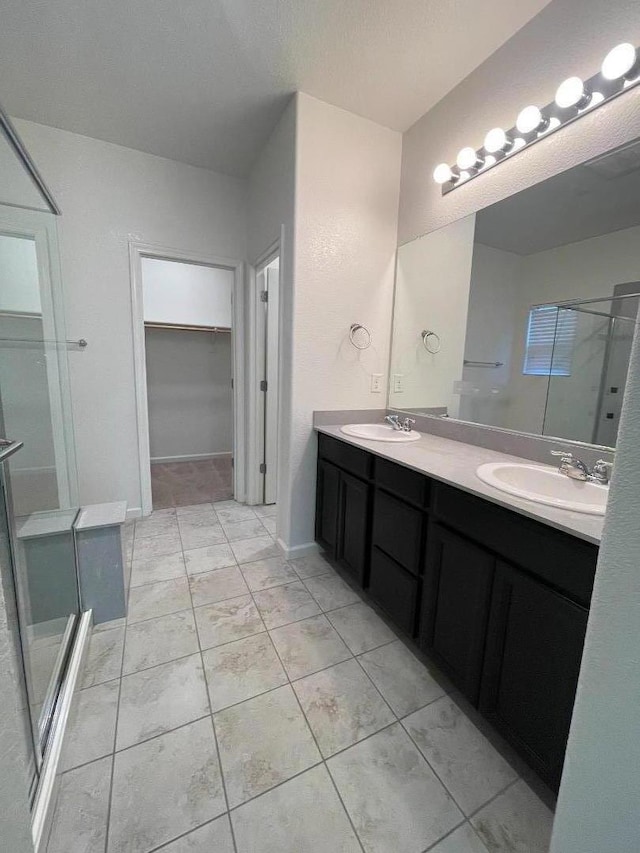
(406, 484)
(345, 456)
(397, 530)
(566, 562)
(395, 590)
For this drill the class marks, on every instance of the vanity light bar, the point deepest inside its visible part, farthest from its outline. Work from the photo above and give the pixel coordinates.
(619, 72)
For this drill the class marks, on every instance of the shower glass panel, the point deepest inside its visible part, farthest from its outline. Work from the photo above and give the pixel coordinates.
(40, 491)
(586, 386)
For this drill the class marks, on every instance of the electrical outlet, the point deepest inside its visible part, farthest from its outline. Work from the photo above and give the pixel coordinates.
(398, 383)
(376, 383)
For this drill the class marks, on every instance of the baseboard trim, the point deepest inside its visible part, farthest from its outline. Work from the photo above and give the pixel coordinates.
(49, 776)
(296, 551)
(133, 512)
(190, 457)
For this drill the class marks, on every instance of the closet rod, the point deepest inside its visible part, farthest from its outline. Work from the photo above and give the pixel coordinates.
(186, 328)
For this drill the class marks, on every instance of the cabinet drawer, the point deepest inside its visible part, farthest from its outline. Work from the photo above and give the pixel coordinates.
(408, 485)
(564, 561)
(395, 590)
(345, 456)
(397, 530)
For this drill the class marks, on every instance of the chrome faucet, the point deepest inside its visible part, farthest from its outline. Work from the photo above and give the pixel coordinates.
(406, 424)
(576, 469)
(394, 420)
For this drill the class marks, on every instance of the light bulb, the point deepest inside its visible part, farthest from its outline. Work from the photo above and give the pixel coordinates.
(442, 173)
(497, 140)
(619, 61)
(572, 93)
(468, 158)
(530, 119)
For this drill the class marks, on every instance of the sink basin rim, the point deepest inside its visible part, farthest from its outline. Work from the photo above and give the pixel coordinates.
(379, 432)
(487, 473)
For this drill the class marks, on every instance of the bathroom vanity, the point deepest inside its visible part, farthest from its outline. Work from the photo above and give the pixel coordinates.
(495, 590)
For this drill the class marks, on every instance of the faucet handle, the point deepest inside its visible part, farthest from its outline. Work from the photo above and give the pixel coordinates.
(566, 455)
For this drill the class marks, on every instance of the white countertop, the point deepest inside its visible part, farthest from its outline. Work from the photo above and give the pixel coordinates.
(455, 463)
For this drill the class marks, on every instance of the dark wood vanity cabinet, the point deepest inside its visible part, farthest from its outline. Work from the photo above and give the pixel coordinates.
(500, 601)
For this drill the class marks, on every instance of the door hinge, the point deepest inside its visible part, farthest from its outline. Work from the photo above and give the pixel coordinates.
(264, 296)
(233, 462)
(263, 385)
(232, 382)
(263, 467)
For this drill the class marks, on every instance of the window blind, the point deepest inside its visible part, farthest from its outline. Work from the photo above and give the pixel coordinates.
(551, 333)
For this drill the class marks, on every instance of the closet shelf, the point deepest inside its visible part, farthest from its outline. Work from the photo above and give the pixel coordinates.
(183, 327)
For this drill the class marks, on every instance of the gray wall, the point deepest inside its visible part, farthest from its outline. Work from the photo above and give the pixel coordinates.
(598, 804)
(189, 393)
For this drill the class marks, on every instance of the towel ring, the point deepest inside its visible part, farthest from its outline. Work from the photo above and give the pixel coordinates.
(364, 336)
(432, 346)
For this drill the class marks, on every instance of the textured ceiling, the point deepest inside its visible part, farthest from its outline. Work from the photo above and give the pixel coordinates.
(205, 81)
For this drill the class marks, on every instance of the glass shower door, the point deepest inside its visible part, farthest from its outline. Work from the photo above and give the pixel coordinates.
(39, 483)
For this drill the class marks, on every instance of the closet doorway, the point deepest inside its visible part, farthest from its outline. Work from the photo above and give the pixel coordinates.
(187, 389)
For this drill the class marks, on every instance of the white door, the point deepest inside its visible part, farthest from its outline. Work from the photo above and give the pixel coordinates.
(272, 286)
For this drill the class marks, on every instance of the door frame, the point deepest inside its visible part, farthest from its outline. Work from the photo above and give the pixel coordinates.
(138, 251)
(255, 362)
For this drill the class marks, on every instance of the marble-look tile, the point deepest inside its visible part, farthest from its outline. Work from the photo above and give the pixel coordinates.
(165, 787)
(81, 813)
(158, 599)
(462, 840)
(330, 591)
(283, 604)
(360, 627)
(159, 640)
(104, 659)
(227, 504)
(470, 767)
(156, 525)
(155, 569)
(235, 514)
(191, 509)
(517, 821)
(260, 548)
(159, 699)
(263, 574)
(197, 530)
(243, 530)
(263, 742)
(271, 823)
(209, 558)
(314, 564)
(265, 510)
(209, 587)
(93, 730)
(241, 670)
(308, 646)
(342, 706)
(214, 837)
(156, 546)
(393, 797)
(402, 679)
(269, 525)
(226, 621)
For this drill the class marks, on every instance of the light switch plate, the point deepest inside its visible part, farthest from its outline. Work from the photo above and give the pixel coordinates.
(398, 383)
(376, 383)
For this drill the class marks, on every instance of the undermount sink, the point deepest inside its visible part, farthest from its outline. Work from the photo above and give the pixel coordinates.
(545, 485)
(379, 432)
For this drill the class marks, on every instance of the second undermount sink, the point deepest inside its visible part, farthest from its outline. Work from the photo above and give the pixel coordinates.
(545, 485)
(379, 432)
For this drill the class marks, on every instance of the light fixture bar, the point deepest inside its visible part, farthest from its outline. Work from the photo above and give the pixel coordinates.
(574, 98)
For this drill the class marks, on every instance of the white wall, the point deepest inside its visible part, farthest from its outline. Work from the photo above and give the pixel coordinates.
(189, 394)
(346, 205)
(19, 281)
(109, 196)
(597, 808)
(189, 294)
(432, 293)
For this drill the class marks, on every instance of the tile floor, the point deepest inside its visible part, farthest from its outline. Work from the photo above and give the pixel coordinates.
(188, 483)
(253, 705)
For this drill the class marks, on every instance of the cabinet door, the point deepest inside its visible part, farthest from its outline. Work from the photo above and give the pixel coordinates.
(395, 590)
(327, 506)
(353, 522)
(455, 609)
(534, 649)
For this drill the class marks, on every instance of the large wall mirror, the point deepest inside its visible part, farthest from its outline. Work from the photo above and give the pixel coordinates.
(522, 315)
